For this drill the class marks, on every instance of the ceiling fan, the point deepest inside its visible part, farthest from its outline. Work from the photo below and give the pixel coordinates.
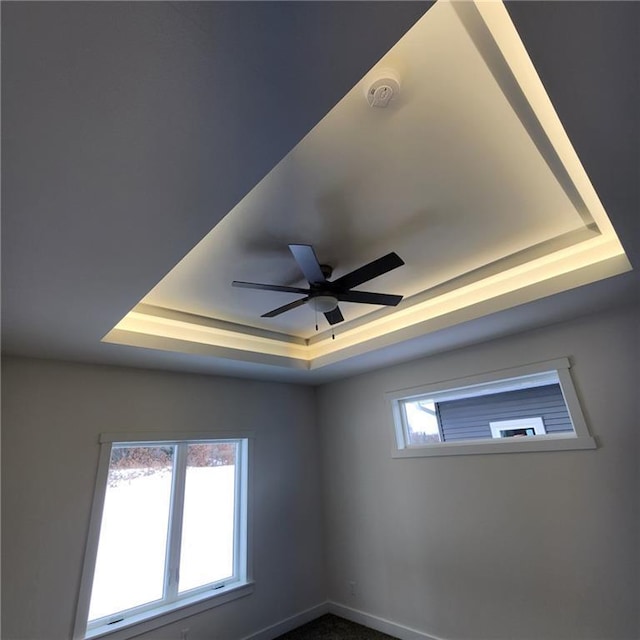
(323, 295)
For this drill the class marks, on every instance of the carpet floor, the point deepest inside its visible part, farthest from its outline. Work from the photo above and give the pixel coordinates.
(330, 627)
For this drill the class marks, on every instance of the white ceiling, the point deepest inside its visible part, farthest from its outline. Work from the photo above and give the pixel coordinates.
(131, 131)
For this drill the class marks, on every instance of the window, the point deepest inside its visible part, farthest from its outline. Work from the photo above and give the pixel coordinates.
(168, 530)
(519, 427)
(530, 408)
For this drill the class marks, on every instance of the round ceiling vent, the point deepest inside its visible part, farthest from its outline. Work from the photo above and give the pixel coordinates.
(382, 88)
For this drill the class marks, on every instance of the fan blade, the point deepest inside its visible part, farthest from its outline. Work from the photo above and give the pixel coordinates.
(286, 307)
(369, 298)
(268, 287)
(335, 316)
(369, 271)
(306, 258)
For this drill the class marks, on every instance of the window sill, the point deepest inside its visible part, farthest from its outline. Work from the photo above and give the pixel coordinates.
(166, 614)
(516, 445)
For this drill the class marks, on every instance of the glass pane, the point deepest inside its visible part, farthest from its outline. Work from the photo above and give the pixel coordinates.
(133, 535)
(208, 523)
(422, 422)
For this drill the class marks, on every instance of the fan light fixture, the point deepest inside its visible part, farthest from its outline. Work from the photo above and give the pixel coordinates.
(323, 304)
(323, 295)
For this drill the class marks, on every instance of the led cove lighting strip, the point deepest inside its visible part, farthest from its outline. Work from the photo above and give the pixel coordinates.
(602, 256)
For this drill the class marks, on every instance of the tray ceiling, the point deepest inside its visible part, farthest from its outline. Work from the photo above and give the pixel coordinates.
(154, 152)
(468, 175)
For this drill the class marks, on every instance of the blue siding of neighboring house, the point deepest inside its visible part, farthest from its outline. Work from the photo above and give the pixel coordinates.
(469, 418)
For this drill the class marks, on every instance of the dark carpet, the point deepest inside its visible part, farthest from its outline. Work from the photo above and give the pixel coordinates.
(330, 627)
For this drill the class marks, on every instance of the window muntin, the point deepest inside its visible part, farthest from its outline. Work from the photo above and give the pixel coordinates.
(537, 401)
(177, 494)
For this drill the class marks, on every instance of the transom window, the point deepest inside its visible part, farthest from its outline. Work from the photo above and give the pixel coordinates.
(169, 529)
(530, 408)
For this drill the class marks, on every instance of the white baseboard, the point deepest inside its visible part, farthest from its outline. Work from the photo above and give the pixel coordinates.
(379, 624)
(288, 624)
(360, 617)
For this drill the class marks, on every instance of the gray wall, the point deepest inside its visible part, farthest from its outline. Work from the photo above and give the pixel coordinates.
(540, 545)
(507, 546)
(52, 415)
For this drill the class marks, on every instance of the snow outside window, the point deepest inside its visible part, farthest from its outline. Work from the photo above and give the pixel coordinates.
(169, 529)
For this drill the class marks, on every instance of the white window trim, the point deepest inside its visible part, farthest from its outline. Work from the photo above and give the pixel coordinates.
(449, 389)
(201, 599)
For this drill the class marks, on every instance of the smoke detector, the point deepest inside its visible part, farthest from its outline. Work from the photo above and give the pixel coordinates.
(382, 88)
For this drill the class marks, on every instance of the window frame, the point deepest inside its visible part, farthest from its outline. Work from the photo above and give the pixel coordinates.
(498, 426)
(579, 439)
(150, 616)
